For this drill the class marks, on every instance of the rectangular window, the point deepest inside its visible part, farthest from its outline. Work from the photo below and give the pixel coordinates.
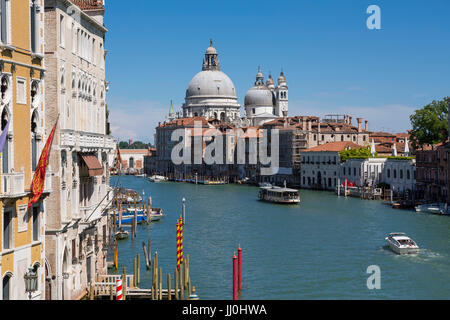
(74, 249)
(4, 21)
(80, 246)
(62, 33)
(23, 219)
(35, 223)
(74, 39)
(7, 229)
(21, 91)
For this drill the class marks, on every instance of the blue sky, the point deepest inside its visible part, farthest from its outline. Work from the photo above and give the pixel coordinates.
(333, 63)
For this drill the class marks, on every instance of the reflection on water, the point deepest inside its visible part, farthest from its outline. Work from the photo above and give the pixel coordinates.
(319, 249)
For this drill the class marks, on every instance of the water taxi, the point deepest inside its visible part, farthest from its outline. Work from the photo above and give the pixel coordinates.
(279, 195)
(156, 178)
(401, 244)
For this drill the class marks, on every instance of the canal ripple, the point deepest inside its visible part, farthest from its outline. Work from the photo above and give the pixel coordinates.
(319, 249)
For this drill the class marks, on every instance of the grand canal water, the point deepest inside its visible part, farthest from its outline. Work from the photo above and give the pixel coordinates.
(319, 249)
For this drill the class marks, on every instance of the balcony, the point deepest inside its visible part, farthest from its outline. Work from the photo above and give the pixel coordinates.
(85, 141)
(12, 185)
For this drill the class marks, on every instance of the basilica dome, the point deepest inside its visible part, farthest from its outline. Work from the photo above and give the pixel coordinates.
(211, 93)
(211, 83)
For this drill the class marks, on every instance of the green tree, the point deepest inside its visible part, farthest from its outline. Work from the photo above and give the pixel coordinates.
(124, 145)
(430, 124)
(361, 153)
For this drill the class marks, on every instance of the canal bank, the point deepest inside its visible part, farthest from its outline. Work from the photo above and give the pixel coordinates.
(319, 249)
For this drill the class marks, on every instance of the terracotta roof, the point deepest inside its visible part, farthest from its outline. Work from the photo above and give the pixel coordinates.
(402, 135)
(334, 146)
(381, 134)
(134, 151)
(89, 4)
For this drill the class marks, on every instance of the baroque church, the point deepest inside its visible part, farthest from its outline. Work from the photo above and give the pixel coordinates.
(211, 94)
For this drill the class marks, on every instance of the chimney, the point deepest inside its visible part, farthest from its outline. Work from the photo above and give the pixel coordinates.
(346, 119)
(365, 125)
(318, 126)
(304, 123)
(359, 124)
(350, 120)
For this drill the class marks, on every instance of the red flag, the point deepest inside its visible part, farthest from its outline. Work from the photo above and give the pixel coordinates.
(118, 159)
(37, 186)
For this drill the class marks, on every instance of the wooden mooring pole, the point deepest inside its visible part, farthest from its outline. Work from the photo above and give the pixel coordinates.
(138, 258)
(169, 291)
(176, 284)
(147, 264)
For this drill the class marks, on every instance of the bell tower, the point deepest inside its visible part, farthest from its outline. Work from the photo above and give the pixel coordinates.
(281, 92)
(211, 61)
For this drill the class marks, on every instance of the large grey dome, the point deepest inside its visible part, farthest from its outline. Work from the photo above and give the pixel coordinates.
(211, 84)
(211, 94)
(259, 96)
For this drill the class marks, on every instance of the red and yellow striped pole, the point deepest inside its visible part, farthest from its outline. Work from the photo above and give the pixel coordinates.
(181, 240)
(178, 245)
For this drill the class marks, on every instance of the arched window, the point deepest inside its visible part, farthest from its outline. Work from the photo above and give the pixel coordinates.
(34, 140)
(34, 94)
(6, 151)
(6, 286)
(4, 87)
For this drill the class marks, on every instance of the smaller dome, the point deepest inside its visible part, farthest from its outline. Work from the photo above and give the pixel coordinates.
(211, 50)
(258, 96)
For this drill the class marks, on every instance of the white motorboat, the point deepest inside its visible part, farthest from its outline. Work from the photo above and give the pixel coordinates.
(156, 178)
(400, 243)
(425, 207)
(279, 195)
(156, 214)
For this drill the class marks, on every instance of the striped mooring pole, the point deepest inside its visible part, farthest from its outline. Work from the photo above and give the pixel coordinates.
(181, 240)
(119, 295)
(178, 245)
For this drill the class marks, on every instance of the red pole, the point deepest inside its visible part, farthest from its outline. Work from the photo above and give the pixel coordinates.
(239, 268)
(234, 277)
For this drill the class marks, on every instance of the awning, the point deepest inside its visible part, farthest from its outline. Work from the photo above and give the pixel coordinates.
(94, 166)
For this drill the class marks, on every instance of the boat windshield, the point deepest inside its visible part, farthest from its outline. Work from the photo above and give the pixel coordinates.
(406, 242)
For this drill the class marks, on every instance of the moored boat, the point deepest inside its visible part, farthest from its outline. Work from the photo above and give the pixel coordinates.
(401, 244)
(121, 234)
